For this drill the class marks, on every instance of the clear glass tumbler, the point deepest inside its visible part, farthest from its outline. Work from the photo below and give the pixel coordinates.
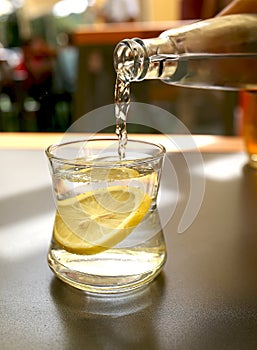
(107, 236)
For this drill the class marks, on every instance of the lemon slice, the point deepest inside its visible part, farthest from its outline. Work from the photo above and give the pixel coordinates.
(101, 173)
(97, 220)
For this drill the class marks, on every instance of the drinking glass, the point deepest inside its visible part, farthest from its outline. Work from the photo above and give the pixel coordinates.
(107, 236)
(248, 106)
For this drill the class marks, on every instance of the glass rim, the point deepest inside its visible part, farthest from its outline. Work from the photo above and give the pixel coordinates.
(160, 151)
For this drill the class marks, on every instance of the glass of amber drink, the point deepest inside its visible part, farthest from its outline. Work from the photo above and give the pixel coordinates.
(248, 105)
(107, 236)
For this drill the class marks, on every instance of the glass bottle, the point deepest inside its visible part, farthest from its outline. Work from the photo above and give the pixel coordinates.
(216, 53)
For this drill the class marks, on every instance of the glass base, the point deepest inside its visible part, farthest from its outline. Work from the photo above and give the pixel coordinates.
(253, 161)
(109, 272)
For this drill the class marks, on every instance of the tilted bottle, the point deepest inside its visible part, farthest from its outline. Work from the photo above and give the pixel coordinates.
(217, 53)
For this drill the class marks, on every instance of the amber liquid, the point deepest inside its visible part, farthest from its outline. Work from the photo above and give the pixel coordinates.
(248, 103)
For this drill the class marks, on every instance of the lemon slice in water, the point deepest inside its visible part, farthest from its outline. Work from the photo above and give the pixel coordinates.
(102, 173)
(97, 220)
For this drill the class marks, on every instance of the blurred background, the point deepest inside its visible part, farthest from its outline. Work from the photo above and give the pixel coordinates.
(54, 69)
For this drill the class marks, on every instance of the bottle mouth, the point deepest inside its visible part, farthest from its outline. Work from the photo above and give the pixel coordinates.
(130, 59)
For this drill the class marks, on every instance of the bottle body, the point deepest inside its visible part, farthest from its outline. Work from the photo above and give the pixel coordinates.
(217, 53)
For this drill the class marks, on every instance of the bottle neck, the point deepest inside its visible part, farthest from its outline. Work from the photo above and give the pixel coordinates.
(137, 59)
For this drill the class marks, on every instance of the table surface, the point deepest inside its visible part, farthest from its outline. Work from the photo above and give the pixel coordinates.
(205, 298)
